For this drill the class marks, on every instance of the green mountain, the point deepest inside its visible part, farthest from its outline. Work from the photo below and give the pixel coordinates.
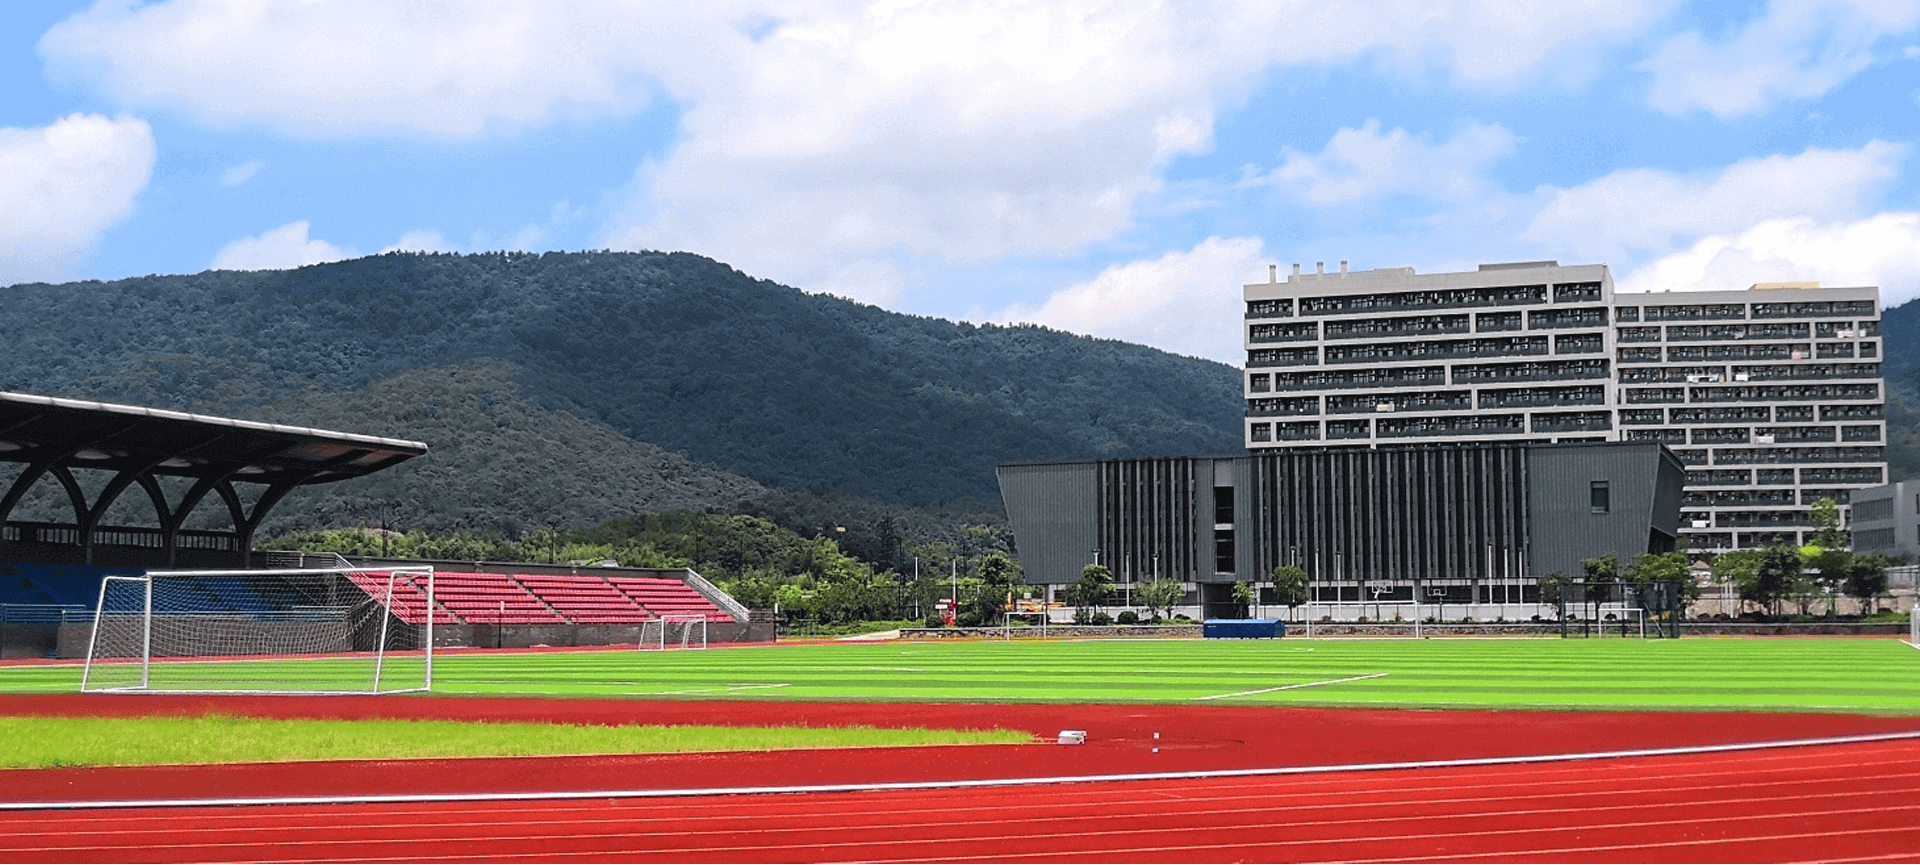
(577, 387)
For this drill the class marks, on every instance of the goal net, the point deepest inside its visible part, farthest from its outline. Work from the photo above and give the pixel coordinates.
(675, 631)
(287, 631)
(1629, 621)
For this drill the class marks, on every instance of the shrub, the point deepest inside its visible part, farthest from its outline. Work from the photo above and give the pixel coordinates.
(935, 622)
(1102, 619)
(1128, 617)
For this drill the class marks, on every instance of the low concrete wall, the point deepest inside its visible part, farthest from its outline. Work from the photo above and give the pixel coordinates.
(1053, 632)
(29, 639)
(1403, 629)
(1793, 629)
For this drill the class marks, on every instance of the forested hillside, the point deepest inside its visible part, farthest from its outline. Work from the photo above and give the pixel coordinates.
(572, 388)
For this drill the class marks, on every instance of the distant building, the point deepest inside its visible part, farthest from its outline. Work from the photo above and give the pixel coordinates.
(1771, 396)
(1886, 519)
(1460, 524)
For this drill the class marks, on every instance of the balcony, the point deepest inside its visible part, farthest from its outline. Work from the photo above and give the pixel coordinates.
(1598, 421)
(1576, 292)
(1720, 477)
(1411, 376)
(1272, 357)
(1371, 328)
(1282, 308)
(1556, 370)
(1418, 300)
(1290, 332)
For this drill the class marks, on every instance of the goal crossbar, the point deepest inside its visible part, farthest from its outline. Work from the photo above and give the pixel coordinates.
(674, 631)
(338, 630)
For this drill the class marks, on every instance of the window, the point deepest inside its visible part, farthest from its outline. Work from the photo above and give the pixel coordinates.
(1599, 498)
(1223, 505)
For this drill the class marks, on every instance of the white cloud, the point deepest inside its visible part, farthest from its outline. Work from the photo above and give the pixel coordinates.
(1186, 302)
(354, 66)
(241, 173)
(1362, 163)
(285, 247)
(1638, 211)
(819, 138)
(417, 241)
(63, 184)
(1882, 250)
(1797, 49)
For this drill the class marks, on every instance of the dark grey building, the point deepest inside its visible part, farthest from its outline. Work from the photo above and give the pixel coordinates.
(1469, 523)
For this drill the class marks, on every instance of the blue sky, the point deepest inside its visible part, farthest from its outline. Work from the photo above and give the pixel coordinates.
(1118, 169)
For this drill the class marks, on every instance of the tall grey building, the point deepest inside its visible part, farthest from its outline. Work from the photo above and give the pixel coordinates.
(1771, 396)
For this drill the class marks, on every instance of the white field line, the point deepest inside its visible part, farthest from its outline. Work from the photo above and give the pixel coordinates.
(1291, 687)
(683, 792)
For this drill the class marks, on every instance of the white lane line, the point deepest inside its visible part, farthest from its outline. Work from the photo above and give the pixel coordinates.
(1291, 687)
(682, 792)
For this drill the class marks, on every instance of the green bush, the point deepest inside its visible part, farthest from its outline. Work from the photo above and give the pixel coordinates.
(1102, 619)
(1128, 617)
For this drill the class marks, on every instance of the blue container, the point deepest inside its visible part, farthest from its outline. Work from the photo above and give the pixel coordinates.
(1243, 629)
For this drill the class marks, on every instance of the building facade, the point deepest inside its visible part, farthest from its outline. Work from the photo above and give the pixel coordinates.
(1460, 523)
(1771, 396)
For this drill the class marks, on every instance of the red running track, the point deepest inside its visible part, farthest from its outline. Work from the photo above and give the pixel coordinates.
(1848, 802)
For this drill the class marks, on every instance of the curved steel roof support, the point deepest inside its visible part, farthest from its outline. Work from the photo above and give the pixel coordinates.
(261, 508)
(82, 517)
(34, 472)
(192, 499)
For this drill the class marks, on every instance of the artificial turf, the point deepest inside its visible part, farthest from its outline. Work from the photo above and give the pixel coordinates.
(53, 742)
(1850, 675)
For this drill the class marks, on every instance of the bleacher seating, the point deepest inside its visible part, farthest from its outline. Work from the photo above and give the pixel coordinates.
(538, 599)
(660, 595)
(586, 600)
(409, 601)
(491, 599)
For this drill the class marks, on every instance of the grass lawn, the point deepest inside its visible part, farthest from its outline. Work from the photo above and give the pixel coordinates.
(51, 742)
(1852, 675)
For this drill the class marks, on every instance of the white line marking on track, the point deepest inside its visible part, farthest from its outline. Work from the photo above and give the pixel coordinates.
(682, 792)
(1291, 687)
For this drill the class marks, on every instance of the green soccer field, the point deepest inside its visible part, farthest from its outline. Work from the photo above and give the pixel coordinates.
(1879, 676)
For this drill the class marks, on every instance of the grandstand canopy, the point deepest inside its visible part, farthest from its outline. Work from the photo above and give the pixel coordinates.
(53, 438)
(119, 437)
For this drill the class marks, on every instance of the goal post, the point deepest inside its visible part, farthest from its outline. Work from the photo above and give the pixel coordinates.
(267, 631)
(1623, 614)
(674, 631)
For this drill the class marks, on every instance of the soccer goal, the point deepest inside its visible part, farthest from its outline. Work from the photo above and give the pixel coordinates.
(287, 631)
(675, 631)
(1622, 615)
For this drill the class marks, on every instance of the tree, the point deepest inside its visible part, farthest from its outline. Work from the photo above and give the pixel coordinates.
(1243, 598)
(1290, 585)
(1776, 573)
(1827, 534)
(1089, 591)
(1601, 572)
(1554, 586)
(1866, 578)
(1160, 595)
(999, 577)
(1740, 569)
(1649, 570)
